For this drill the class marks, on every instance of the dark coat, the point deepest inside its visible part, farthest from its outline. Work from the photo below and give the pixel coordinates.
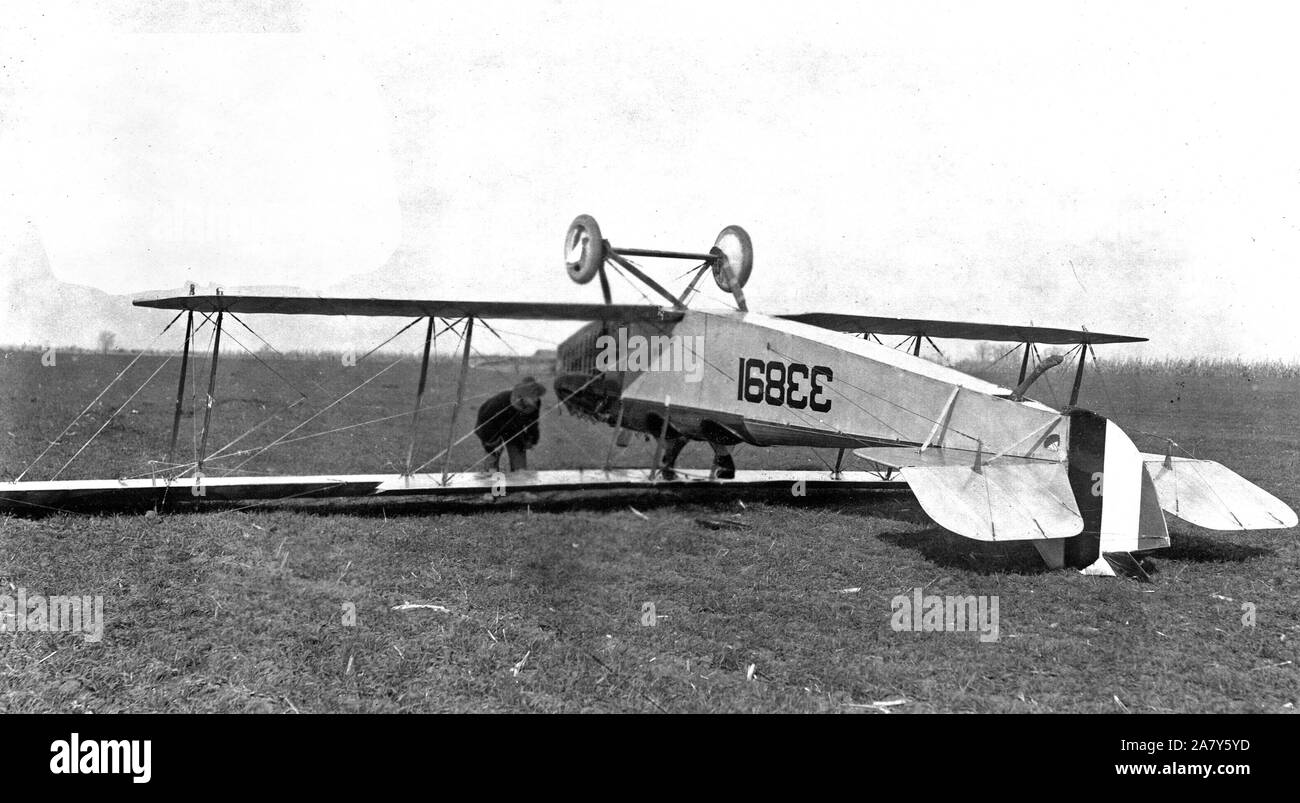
(500, 421)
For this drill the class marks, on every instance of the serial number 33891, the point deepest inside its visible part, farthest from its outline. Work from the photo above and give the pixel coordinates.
(793, 385)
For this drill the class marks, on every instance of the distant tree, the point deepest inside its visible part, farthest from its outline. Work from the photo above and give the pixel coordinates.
(106, 341)
(986, 352)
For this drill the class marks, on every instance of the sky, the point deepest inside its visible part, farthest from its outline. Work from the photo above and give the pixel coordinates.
(1131, 168)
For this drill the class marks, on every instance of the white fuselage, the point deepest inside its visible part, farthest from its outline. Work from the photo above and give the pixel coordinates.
(775, 382)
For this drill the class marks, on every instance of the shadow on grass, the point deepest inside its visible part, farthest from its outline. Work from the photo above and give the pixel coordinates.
(1200, 549)
(949, 550)
(578, 501)
(867, 503)
(1020, 557)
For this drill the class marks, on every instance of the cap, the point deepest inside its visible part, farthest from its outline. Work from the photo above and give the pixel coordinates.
(528, 388)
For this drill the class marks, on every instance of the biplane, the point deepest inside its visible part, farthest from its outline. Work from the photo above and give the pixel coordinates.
(984, 461)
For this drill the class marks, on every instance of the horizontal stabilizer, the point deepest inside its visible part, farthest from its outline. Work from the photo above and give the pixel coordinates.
(1210, 495)
(1009, 499)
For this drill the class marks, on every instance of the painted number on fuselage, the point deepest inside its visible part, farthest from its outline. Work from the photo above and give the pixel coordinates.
(793, 385)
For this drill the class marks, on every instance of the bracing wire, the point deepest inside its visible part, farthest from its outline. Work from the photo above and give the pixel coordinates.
(95, 401)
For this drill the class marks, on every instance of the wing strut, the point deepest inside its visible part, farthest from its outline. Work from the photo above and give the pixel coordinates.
(419, 395)
(1078, 375)
(209, 403)
(460, 396)
(180, 390)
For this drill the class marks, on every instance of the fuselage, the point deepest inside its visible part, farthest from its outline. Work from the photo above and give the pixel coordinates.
(731, 377)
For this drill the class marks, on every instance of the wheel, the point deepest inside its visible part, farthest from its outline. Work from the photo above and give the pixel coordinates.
(584, 249)
(737, 253)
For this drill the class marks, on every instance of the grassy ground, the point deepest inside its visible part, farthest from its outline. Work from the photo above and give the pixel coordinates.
(541, 598)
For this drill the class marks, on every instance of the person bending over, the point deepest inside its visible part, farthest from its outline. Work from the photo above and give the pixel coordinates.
(509, 421)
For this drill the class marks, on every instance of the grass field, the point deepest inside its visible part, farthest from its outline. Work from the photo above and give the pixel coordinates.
(541, 598)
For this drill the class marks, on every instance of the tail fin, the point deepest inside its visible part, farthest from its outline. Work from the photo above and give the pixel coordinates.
(1130, 489)
(1116, 497)
(1105, 501)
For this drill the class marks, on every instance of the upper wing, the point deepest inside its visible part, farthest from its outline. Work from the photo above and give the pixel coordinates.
(961, 330)
(408, 307)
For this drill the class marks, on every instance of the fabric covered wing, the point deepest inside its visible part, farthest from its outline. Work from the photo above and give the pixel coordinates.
(960, 330)
(1210, 495)
(408, 307)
